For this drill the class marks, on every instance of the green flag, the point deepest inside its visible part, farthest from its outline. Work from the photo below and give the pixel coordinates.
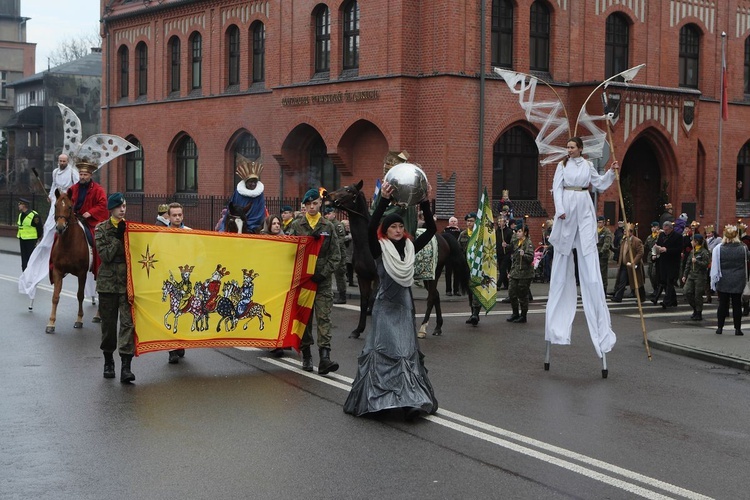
(481, 254)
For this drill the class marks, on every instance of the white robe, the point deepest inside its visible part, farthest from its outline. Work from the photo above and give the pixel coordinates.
(577, 230)
(38, 266)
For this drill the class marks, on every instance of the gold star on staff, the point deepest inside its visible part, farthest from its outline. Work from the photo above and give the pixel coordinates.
(147, 261)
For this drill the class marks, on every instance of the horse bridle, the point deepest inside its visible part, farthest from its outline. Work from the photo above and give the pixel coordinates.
(338, 205)
(66, 217)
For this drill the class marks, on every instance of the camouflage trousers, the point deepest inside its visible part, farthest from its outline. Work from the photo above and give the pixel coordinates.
(322, 311)
(518, 291)
(112, 305)
(340, 274)
(693, 292)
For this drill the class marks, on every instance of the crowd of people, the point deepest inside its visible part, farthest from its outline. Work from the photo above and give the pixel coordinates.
(576, 247)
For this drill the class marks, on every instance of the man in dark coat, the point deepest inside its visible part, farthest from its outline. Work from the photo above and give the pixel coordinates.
(669, 249)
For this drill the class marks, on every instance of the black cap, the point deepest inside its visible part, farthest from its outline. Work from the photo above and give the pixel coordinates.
(25, 201)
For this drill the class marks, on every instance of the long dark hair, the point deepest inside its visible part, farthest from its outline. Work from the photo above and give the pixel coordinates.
(579, 143)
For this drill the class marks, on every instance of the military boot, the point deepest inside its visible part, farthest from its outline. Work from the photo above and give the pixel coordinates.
(326, 365)
(522, 317)
(341, 299)
(307, 364)
(512, 318)
(126, 375)
(109, 365)
(475, 315)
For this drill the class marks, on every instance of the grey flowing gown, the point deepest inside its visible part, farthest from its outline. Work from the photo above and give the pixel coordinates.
(391, 371)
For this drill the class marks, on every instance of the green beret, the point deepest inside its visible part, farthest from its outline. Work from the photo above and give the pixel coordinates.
(311, 195)
(115, 200)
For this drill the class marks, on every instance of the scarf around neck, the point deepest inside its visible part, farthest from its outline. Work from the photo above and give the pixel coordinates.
(402, 271)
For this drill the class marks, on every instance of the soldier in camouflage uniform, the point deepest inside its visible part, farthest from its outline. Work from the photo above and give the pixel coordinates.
(340, 271)
(521, 274)
(463, 241)
(694, 276)
(604, 245)
(111, 284)
(312, 223)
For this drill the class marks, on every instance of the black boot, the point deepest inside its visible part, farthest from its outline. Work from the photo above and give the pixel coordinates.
(521, 318)
(326, 365)
(109, 365)
(698, 316)
(307, 364)
(474, 318)
(512, 318)
(126, 376)
(341, 298)
(174, 357)
(692, 316)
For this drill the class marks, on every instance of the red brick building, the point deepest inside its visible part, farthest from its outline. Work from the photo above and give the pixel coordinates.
(321, 91)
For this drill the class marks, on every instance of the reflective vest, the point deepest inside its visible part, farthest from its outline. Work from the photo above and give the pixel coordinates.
(25, 230)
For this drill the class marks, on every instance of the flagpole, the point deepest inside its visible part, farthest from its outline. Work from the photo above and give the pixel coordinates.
(721, 126)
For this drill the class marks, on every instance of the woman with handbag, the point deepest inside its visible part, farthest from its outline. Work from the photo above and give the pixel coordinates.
(728, 268)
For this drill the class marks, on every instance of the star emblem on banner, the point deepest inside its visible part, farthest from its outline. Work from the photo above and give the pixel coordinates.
(147, 261)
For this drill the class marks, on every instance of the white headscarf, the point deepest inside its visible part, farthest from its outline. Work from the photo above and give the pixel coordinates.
(402, 271)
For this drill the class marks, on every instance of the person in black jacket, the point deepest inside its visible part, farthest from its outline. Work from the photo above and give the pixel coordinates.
(451, 284)
(504, 235)
(669, 250)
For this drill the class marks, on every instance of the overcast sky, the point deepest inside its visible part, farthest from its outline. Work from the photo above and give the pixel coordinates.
(55, 21)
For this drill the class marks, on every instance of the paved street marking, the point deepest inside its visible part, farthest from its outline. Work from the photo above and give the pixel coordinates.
(544, 451)
(47, 288)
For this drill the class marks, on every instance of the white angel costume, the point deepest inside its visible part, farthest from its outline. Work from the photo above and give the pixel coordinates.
(38, 267)
(577, 230)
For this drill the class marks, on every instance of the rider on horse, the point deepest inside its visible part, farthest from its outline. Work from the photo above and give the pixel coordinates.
(89, 202)
(249, 195)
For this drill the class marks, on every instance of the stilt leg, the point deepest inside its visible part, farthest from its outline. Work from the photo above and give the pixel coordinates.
(605, 371)
(31, 305)
(546, 356)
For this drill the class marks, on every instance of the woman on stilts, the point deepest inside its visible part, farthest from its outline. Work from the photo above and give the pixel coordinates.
(575, 228)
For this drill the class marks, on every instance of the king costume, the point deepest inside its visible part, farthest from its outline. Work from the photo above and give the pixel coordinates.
(577, 230)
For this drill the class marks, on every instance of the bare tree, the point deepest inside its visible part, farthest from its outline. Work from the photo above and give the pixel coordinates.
(75, 47)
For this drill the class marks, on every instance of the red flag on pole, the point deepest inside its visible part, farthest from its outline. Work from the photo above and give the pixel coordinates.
(724, 100)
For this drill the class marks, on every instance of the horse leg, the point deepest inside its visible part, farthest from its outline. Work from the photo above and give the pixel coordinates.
(438, 312)
(364, 298)
(176, 319)
(428, 312)
(167, 325)
(81, 285)
(57, 280)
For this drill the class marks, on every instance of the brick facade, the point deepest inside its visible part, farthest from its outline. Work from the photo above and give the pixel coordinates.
(417, 89)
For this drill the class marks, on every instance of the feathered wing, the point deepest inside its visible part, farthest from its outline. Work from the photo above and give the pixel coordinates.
(549, 116)
(593, 142)
(71, 130)
(102, 148)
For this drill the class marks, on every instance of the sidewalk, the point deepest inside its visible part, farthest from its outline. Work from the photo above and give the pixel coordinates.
(693, 341)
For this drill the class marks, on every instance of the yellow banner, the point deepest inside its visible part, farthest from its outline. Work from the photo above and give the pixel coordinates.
(204, 289)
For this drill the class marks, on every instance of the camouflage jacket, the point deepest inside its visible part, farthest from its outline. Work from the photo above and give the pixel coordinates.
(521, 266)
(112, 276)
(330, 254)
(699, 270)
(604, 243)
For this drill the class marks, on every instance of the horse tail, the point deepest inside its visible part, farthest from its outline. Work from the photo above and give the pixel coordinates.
(266, 314)
(457, 261)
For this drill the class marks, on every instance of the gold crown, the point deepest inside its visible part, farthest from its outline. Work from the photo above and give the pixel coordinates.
(86, 165)
(163, 207)
(248, 169)
(393, 158)
(730, 231)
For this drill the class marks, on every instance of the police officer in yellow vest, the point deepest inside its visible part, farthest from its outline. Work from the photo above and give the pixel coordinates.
(30, 230)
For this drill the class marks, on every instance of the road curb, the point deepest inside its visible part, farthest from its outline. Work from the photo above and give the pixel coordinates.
(712, 357)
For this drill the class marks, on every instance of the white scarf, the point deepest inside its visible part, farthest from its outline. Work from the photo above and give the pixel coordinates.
(402, 271)
(250, 193)
(715, 266)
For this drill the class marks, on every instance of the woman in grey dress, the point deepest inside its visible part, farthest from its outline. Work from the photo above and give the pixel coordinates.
(728, 277)
(391, 372)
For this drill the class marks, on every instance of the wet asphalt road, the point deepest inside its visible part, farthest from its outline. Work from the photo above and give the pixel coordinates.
(233, 423)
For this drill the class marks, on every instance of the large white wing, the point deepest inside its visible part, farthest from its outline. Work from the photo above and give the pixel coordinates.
(102, 148)
(72, 132)
(549, 116)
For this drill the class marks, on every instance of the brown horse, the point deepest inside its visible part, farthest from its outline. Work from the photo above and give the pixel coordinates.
(351, 200)
(70, 255)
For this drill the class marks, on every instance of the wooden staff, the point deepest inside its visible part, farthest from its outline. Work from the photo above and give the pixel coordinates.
(630, 246)
(36, 174)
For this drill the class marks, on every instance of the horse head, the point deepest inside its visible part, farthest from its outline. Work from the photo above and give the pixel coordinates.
(166, 288)
(63, 211)
(236, 217)
(350, 199)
